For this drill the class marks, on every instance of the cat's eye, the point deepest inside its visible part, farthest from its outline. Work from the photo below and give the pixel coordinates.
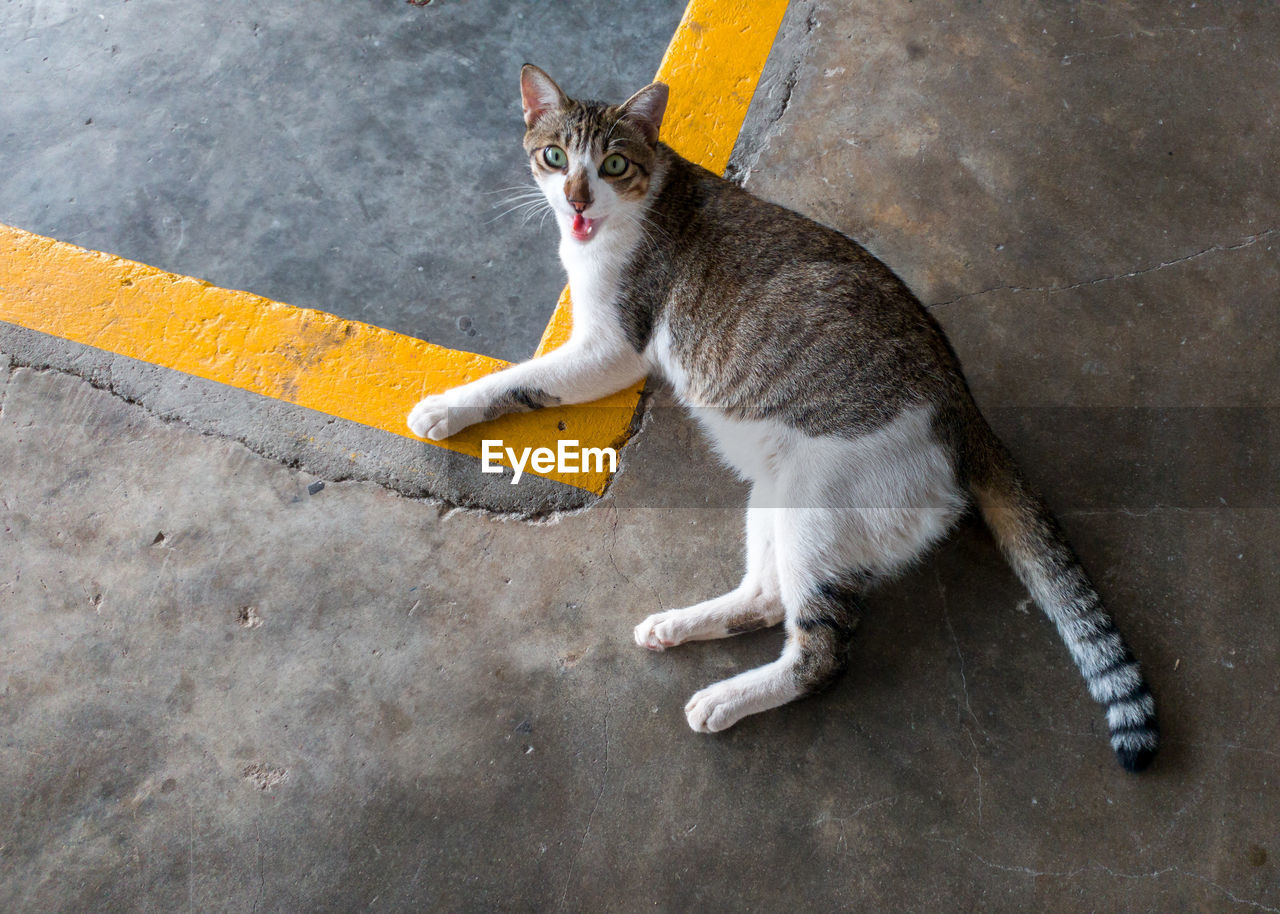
(614, 165)
(555, 157)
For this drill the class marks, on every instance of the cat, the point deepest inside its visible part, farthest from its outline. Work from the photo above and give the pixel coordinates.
(819, 378)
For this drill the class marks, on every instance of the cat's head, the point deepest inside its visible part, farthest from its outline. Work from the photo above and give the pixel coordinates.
(593, 161)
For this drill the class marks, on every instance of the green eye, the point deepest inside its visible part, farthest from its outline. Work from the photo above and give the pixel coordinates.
(614, 165)
(555, 157)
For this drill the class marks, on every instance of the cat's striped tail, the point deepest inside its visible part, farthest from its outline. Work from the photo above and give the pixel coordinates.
(1034, 545)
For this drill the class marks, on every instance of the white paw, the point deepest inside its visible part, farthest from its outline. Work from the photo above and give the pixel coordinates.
(438, 417)
(717, 707)
(661, 631)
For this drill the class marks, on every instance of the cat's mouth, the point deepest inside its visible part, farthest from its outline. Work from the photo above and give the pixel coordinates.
(583, 229)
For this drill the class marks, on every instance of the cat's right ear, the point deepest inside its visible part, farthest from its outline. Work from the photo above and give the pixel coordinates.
(538, 94)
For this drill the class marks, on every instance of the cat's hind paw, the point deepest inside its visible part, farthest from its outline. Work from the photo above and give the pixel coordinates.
(717, 707)
(658, 632)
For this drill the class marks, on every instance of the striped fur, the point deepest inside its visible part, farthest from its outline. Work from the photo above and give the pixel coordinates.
(1032, 541)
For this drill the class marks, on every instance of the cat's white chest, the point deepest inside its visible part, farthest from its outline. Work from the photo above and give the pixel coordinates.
(595, 271)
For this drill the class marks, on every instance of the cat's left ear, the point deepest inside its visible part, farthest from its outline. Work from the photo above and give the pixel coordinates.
(645, 109)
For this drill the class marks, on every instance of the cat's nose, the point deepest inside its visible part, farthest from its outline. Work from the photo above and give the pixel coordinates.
(577, 191)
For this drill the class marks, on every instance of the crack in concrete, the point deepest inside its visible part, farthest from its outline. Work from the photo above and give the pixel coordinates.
(168, 420)
(1069, 874)
(1129, 512)
(854, 813)
(1247, 241)
(842, 844)
(1145, 33)
(262, 873)
(976, 771)
(604, 782)
(613, 561)
(535, 514)
(1230, 747)
(793, 74)
(752, 142)
(4, 388)
(964, 687)
(946, 617)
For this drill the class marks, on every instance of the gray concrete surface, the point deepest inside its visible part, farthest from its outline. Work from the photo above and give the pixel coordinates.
(295, 701)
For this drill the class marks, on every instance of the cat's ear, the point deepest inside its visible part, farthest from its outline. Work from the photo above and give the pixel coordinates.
(538, 94)
(645, 109)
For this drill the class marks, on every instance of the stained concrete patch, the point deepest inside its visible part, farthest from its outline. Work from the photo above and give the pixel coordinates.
(989, 148)
(264, 776)
(248, 617)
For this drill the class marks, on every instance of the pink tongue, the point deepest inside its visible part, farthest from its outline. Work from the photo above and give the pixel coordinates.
(579, 224)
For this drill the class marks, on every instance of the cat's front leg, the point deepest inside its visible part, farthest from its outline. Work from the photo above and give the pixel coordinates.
(577, 372)
(441, 415)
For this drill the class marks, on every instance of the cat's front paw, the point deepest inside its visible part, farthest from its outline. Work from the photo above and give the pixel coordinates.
(441, 415)
(717, 707)
(430, 418)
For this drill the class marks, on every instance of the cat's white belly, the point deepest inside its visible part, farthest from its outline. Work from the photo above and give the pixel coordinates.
(889, 494)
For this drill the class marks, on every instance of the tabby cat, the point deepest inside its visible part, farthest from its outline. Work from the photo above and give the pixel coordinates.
(819, 378)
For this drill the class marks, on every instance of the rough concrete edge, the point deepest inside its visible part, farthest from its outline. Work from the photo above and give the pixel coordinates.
(333, 449)
(777, 82)
(6, 373)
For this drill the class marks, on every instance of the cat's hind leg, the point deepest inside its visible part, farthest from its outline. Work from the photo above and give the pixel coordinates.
(853, 511)
(754, 604)
(822, 608)
(744, 609)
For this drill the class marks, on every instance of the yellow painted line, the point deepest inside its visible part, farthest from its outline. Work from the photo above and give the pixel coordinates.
(357, 371)
(341, 367)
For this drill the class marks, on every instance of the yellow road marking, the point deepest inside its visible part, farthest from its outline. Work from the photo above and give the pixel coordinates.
(357, 371)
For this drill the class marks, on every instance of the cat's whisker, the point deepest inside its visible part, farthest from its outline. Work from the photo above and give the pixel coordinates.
(521, 187)
(534, 211)
(517, 192)
(531, 206)
(506, 212)
(522, 195)
(520, 201)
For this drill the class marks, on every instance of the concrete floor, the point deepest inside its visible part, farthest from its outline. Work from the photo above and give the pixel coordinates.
(226, 691)
(355, 156)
